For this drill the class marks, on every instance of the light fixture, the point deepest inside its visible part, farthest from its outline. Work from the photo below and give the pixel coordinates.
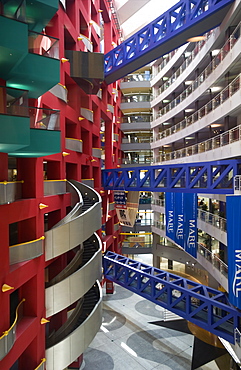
(6, 288)
(215, 52)
(43, 321)
(196, 38)
(214, 125)
(42, 205)
(166, 101)
(189, 110)
(165, 78)
(188, 82)
(216, 88)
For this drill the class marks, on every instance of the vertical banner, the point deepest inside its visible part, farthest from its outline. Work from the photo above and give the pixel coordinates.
(179, 219)
(233, 203)
(190, 223)
(120, 199)
(126, 206)
(169, 208)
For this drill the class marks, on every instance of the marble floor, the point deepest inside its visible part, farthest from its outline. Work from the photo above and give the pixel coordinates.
(132, 338)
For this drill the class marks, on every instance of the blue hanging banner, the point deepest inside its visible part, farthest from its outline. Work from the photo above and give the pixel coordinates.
(233, 204)
(179, 219)
(169, 208)
(190, 223)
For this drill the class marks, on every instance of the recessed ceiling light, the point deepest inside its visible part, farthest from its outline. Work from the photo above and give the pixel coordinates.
(196, 38)
(216, 88)
(215, 52)
(216, 125)
(189, 82)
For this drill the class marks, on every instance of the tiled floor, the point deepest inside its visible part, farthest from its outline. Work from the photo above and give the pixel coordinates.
(131, 339)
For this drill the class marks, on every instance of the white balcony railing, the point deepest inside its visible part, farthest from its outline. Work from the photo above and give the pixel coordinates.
(224, 51)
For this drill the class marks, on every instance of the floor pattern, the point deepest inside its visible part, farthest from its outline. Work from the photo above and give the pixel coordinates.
(133, 337)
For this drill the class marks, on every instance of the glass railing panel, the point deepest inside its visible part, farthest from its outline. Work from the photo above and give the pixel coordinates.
(13, 10)
(213, 259)
(13, 102)
(234, 134)
(235, 85)
(136, 119)
(136, 99)
(209, 69)
(43, 118)
(137, 77)
(42, 44)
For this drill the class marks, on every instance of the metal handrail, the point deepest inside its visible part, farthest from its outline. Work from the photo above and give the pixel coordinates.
(185, 64)
(212, 219)
(5, 333)
(205, 74)
(217, 141)
(213, 259)
(41, 364)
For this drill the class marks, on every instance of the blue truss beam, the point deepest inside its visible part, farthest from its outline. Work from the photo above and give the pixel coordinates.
(204, 177)
(170, 30)
(202, 305)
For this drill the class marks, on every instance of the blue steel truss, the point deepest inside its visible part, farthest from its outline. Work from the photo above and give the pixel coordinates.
(199, 304)
(207, 177)
(170, 30)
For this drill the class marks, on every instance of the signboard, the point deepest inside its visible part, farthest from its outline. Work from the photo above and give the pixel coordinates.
(123, 217)
(169, 207)
(137, 241)
(190, 223)
(233, 203)
(181, 220)
(126, 204)
(120, 199)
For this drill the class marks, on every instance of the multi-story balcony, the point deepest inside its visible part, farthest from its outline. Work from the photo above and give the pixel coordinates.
(43, 135)
(136, 122)
(38, 70)
(207, 81)
(37, 14)
(30, 60)
(138, 158)
(136, 103)
(213, 114)
(172, 61)
(136, 141)
(14, 119)
(136, 82)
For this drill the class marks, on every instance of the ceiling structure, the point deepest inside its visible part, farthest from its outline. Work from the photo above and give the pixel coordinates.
(135, 14)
